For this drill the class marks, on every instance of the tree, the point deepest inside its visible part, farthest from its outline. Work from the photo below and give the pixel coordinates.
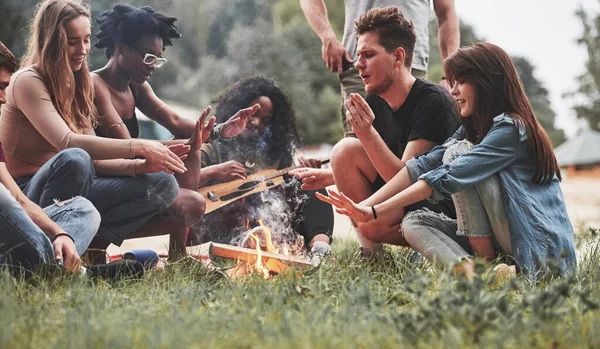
(14, 18)
(587, 96)
(535, 90)
(538, 97)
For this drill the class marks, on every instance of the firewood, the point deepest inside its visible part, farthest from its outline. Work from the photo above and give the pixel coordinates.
(276, 266)
(250, 255)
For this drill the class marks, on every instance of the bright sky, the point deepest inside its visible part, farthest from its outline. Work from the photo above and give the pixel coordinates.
(543, 31)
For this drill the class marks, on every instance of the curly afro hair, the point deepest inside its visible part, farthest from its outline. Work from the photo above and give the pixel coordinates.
(125, 24)
(283, 131)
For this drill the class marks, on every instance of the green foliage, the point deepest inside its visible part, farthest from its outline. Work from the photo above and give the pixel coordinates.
(587, 96)
(15, 16)
(224, 41)
(383, 302)
(538, 97)
(536, 92)
(435, 70)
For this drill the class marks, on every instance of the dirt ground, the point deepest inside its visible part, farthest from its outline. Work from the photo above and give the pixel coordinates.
(582, 196)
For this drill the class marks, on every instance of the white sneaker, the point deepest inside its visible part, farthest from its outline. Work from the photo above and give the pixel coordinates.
(319, 250)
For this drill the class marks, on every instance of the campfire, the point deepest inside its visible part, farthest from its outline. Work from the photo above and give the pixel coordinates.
(257, 254)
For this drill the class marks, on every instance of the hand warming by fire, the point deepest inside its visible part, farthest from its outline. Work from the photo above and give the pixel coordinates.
(344, 205)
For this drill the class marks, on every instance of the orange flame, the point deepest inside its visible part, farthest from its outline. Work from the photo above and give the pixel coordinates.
(259, 266)
(270, 247)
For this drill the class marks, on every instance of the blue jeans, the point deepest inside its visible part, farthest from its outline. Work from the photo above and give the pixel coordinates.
(480, 213)
(125, 203)
(24, 244)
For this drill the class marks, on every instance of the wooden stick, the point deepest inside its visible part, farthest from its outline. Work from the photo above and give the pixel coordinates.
(250, 255)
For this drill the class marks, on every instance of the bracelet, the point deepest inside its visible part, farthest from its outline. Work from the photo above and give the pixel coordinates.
(374, 213)
(63, 234)
(159, 108)
(114, 125)
(215, 133)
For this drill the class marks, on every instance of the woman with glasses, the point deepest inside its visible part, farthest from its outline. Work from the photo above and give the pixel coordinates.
(134, 40)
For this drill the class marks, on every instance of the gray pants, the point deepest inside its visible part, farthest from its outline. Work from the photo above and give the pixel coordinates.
(350, 82)
(480, 213)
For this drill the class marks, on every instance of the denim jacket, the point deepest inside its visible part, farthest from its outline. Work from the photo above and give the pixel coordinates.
(540, 230)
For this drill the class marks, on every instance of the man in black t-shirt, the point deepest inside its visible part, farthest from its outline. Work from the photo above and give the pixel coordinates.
(401, 118)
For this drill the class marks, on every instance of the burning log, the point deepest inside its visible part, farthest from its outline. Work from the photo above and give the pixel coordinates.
(251, 255)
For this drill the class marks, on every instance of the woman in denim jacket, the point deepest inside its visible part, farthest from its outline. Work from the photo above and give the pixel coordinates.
(499, 169)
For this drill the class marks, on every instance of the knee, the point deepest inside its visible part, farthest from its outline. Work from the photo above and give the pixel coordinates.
(409, 227)
(7, 201)
(88, 213)
(162, 190)
(75, 167)
(191, 205)
(455, 150)
(345, 150)
(76, 158)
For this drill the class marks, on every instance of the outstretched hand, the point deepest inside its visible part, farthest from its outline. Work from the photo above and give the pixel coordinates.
(237, 123)
(359, 114)
(201, 130)
(308, 162)
(344, 205)
(158, 158)
(313, 178)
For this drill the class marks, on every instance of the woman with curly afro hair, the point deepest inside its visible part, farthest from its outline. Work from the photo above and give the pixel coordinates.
(268, 142)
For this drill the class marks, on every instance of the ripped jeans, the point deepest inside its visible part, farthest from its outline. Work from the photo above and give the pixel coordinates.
(479, 211)
(24, 244)
(125, 203)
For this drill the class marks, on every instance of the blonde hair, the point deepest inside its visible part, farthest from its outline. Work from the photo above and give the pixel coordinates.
(71, 92)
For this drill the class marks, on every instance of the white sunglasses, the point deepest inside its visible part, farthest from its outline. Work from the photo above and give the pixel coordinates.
(151, 59)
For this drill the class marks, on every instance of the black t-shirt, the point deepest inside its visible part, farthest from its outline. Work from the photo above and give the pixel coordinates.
(428, 113)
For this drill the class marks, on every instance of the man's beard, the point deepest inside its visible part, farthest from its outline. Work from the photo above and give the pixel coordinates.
(384, 86)
(254, 140)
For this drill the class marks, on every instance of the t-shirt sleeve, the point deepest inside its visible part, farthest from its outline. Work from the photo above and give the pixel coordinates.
(208, 155)
(432, 120)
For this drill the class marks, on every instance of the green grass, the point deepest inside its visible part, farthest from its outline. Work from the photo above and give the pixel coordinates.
(346, 303)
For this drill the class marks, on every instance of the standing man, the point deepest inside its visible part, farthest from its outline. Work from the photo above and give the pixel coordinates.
(339, 57)
(401, 118)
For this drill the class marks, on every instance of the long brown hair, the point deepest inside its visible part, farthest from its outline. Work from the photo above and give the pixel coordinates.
(71, 92)
(498, 89)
